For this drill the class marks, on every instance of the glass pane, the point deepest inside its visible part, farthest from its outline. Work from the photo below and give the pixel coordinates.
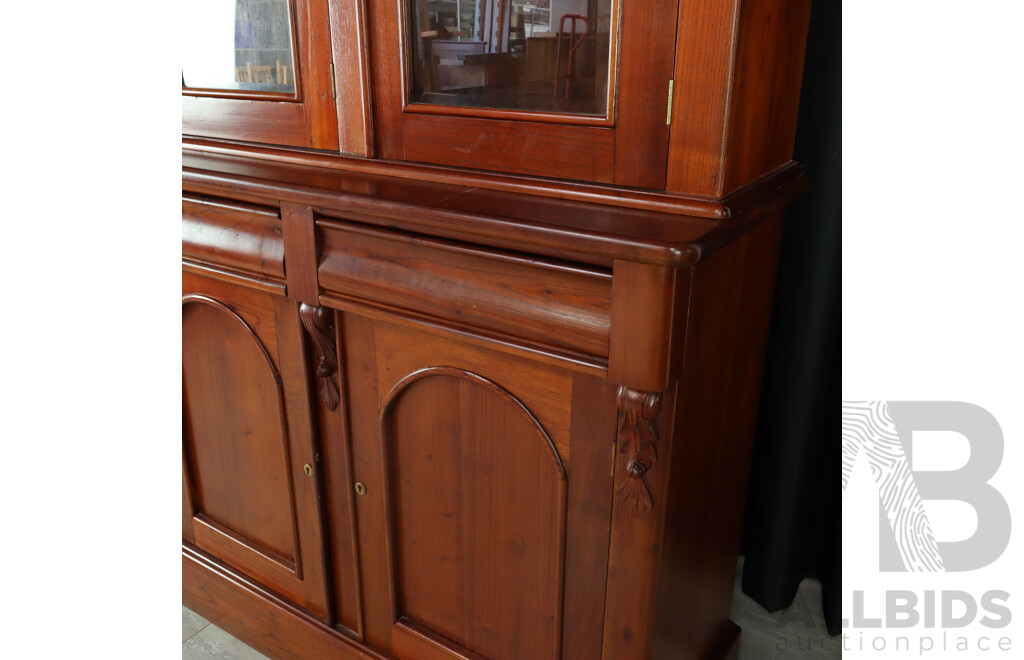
(547, 55)
(241, 45)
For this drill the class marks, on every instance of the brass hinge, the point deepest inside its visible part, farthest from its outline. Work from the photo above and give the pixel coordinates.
(668, 114)
(334, 84)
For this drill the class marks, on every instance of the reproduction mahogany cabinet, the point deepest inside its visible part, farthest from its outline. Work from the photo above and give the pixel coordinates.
(475, 301)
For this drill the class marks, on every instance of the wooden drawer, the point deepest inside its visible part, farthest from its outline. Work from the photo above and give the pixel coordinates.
(567, 306)
(239, 237)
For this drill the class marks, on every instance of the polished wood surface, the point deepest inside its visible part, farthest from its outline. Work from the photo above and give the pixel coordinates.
(581, 153)
(350, 50)
(492, 394)
(444, 348)
(738, 80)
(483, 451)
(301, 252)
(273, 122)
(589, 519)
(703, 74)
(669, 202)
(238, 465)
(645, 58)
(588, 233)
(336, 480)
(477, 514)
(247, 437)
(771, 36)
(233, 235)
(548, 302)
(713, 427)
(650, 303)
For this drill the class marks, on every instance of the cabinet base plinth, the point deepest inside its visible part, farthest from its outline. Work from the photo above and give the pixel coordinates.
(259, 618)
(281, 631)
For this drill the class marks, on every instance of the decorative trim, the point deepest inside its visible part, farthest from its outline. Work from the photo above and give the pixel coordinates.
(452, 372)
(417, 640)
(216, 304)
(319, 323)
(233, 276)
(638, 441)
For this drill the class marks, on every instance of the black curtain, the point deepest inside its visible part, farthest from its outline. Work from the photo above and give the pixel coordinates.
(792, 526)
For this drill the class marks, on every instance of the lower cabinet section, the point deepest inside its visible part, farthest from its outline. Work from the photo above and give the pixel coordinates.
(379, 461)
(469, 482)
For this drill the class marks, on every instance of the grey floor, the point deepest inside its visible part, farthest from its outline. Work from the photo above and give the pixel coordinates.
(798, 632)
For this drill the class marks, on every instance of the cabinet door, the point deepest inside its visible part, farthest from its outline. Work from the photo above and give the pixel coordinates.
(573, 89)
(266, 71)
(247, 439)
(486, 496)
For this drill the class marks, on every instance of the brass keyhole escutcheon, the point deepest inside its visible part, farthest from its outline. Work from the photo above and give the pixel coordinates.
(360, 488)
(308, 469)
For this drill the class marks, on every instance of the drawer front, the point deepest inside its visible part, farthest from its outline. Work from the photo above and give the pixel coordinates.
(550, 303)
(233, 235)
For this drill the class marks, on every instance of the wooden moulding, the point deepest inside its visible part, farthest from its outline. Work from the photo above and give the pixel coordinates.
(502, 343)
(584, 153)
(260, 618)
(570, 230)
(319, 325)
(244, 119)
(233, 241)
(649, 306)
(698, 206)
(560, 305)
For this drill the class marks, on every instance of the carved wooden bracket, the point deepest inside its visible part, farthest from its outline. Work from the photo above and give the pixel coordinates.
(319, 323)
(639, 442)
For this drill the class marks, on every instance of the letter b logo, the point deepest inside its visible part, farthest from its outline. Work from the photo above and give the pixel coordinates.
(883, 431)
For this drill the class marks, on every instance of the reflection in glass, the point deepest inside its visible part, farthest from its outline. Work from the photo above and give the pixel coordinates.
(242, 45)
(543, 55)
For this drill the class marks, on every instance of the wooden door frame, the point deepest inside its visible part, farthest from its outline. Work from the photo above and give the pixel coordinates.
(330, 109)
(304, 580)
(629, 148)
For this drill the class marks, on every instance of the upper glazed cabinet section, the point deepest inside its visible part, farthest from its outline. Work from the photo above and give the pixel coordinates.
(268, 71)
(240, 47)
(697, 97)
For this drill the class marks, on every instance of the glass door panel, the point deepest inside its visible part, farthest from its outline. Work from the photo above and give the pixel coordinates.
(238, 46)
(532, 55)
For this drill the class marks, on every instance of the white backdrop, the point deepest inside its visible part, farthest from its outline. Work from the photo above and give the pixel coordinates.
(933, 274)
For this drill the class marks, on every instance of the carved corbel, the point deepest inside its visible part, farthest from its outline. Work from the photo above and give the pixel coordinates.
(319, 323)
(638, 441)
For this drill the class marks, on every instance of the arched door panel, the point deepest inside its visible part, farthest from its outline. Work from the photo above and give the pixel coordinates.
(247, 436)
(486, 496)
